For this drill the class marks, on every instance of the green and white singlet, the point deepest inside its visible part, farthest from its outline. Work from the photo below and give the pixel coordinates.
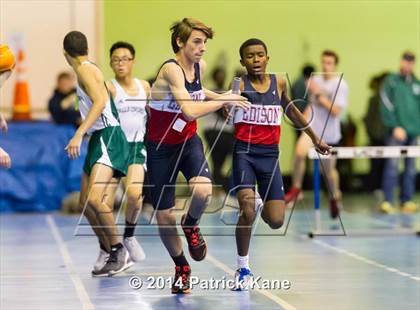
(133, 118)
(107, 144)
(108, 118)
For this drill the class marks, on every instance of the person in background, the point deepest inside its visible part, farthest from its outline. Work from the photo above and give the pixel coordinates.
(400, 110)
(219, 134)
(375, 129)
(299, 89)
(348, 130)
(130, 96)
(328, 100)
(300, 97)
(62, 103)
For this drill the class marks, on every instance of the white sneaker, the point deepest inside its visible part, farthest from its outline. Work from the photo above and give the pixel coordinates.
(134, 249)
(101, 260)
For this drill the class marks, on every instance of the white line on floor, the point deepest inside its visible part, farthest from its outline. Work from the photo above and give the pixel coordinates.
(77, 282)
(366, 260)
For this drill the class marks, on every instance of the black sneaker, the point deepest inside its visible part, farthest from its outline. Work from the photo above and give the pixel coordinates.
(118, 261)
(181, 284)
(196, 243)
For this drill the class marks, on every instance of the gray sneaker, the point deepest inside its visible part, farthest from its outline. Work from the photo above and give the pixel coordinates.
(118, 261)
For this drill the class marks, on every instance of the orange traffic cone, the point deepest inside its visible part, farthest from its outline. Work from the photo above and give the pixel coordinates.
(21, 102)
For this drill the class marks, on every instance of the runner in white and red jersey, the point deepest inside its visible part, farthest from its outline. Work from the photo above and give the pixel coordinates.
(173, 144)
(255, 155)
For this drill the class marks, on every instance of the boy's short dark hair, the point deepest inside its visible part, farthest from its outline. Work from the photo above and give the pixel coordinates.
(409, 56)
(75, 44)
(64, 75)
(250, 42)
(331, 53)
(307, 71)
(122, 44)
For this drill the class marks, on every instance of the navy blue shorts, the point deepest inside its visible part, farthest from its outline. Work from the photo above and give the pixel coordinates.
(165, 161)
(257, 163)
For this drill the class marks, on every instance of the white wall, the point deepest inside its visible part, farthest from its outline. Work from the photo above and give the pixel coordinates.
(44, 24)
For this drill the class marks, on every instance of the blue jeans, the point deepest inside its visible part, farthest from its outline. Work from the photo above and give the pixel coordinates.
(391, 173)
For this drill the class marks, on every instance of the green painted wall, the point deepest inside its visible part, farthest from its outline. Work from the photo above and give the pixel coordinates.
(369, 36)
